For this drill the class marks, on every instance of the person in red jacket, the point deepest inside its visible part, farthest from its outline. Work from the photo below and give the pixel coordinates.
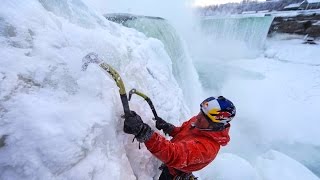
(194, 145)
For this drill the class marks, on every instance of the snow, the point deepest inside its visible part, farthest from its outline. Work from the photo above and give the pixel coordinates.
(294, 13)
(294, 5)
(275, 165)
(229, 167)
(63, 123)
(313, 1)
(295, 52)
(248, 12)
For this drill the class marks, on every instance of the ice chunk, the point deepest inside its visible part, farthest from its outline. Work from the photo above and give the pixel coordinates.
(274, 165)
(229, 167)
(90, 58)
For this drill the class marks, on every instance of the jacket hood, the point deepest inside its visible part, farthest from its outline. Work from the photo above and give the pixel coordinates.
(221, 137)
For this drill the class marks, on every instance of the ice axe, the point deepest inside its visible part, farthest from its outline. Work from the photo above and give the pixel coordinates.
(145, 97)
(94, 58)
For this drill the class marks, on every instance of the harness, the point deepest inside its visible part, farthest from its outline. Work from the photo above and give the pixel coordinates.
(181, 175)
(185, 176)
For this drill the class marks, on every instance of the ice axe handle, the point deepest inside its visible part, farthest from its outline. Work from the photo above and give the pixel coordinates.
(125, 104)
(152, 108)
(146, 98)
(130, 94)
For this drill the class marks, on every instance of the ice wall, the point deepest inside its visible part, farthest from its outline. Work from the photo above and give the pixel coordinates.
(60, 122)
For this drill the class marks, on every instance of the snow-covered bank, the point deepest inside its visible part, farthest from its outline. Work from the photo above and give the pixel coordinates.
(293, 50)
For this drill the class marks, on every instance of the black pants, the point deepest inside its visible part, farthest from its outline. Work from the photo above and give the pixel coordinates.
(165, 175)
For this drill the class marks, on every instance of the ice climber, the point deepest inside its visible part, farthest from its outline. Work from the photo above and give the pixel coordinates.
(193, 145)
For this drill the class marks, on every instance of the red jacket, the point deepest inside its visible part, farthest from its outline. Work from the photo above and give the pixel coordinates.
(190, 149)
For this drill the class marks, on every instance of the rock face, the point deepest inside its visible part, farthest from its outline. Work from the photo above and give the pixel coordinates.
(300, 24)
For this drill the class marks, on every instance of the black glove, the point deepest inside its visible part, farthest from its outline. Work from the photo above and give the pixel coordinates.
(133, 124)
(163, 125)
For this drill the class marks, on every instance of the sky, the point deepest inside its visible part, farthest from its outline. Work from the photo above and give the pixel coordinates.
(211, 2)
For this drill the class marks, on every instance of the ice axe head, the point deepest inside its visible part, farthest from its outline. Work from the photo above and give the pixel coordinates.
(132, 91)
(90, 58)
